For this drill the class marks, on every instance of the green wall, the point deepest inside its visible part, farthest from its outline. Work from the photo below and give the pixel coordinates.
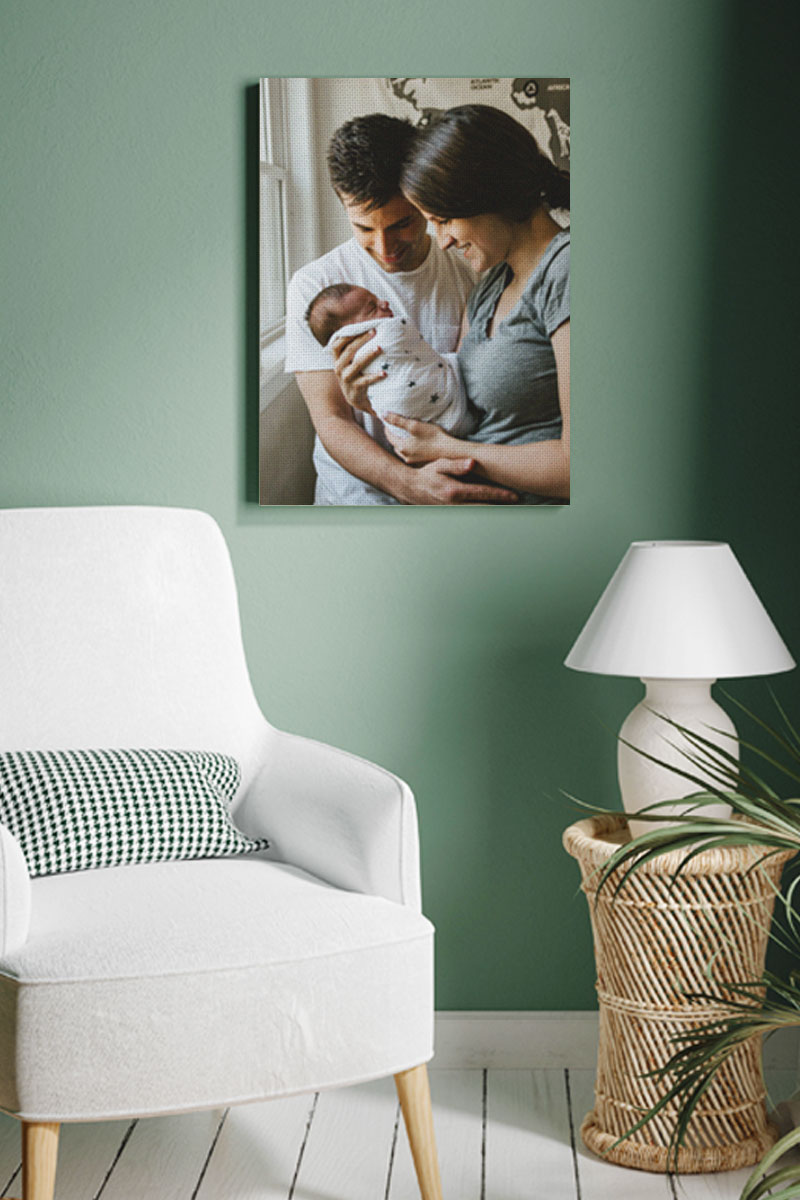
(430, 641)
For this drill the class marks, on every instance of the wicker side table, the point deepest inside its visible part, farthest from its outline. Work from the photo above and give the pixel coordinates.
(653, 944)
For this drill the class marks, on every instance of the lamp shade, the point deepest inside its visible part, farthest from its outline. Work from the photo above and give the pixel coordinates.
(680, 610)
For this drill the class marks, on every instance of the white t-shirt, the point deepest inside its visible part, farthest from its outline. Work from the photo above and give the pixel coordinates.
(432, 298)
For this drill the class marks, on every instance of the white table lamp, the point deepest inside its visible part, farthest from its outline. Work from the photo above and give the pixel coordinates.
(679, 615)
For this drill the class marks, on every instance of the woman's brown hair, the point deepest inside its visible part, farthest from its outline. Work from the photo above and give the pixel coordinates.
(476, 159)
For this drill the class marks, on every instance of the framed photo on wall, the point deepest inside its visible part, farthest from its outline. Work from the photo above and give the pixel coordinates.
(414, 314)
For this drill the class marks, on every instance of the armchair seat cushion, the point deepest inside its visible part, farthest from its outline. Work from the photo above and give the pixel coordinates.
(203, 983)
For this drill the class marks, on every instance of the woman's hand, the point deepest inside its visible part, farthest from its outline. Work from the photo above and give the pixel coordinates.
(423, 442)
(352, 380)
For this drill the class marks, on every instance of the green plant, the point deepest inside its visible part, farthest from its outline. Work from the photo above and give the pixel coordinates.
(765, 818)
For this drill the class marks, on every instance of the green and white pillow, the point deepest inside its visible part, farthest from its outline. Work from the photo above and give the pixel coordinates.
(71, 810)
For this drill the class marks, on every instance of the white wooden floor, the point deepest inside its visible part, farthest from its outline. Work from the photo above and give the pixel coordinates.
(502, 1135)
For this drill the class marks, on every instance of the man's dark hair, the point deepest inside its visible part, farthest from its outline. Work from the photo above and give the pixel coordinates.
(365, 158)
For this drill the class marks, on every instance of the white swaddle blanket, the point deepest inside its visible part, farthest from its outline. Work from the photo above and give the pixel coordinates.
(419, 382)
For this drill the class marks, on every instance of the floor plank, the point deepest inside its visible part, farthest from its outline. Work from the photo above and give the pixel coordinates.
(164, 1157)
(257, 1152)
(528, 1151)
(728, 1185)
(86, 1155)
(601, 1180)
(457, 1098)
(10, 1153)
(350, 1144)
(341, 1146)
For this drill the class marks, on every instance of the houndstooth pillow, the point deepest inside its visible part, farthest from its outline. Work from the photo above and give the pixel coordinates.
(75, 809)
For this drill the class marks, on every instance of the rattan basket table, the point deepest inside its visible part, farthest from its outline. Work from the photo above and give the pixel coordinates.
(653, 945)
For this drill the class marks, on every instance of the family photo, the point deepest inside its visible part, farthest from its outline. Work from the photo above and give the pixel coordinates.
(414, 291)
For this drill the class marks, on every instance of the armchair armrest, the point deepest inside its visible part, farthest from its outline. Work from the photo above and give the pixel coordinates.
(15, 894)
(336, 816)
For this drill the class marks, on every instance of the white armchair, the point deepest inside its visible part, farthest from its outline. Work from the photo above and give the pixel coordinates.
(171, 986)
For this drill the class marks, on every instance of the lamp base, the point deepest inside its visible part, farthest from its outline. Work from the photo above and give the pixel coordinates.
(642, 782)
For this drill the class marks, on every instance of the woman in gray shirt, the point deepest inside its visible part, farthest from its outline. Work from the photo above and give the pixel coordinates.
(479, 177)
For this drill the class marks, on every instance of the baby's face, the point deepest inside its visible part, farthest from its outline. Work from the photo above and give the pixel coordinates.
(361, 305)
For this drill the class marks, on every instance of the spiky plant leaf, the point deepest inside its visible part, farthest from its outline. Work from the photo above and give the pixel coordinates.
(762, 1177)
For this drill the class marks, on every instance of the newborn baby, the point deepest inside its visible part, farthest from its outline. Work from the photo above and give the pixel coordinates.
(418, 382)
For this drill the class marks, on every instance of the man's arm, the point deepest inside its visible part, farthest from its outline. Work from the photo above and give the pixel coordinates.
(354, 449)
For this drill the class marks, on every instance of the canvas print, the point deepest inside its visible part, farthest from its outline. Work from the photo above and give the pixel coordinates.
(414, 241)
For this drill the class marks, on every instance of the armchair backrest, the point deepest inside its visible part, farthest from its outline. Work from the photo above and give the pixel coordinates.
(120, 627)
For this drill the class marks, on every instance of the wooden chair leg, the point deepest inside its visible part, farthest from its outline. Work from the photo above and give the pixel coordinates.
(415, 1101)
(39, 1153)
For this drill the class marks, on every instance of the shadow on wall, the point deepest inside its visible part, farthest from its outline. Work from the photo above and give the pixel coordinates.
(749, 489)
(503, 894)
(249, 403)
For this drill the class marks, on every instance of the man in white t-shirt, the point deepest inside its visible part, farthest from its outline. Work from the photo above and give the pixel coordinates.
(392, 255)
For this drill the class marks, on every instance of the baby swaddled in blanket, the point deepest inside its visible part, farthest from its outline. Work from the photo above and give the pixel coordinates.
(418, 382)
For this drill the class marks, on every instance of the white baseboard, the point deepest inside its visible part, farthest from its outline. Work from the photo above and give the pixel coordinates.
(526, 1040)
(506, 1040)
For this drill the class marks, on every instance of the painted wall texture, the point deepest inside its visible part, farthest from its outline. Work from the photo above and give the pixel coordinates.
(430, 641)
